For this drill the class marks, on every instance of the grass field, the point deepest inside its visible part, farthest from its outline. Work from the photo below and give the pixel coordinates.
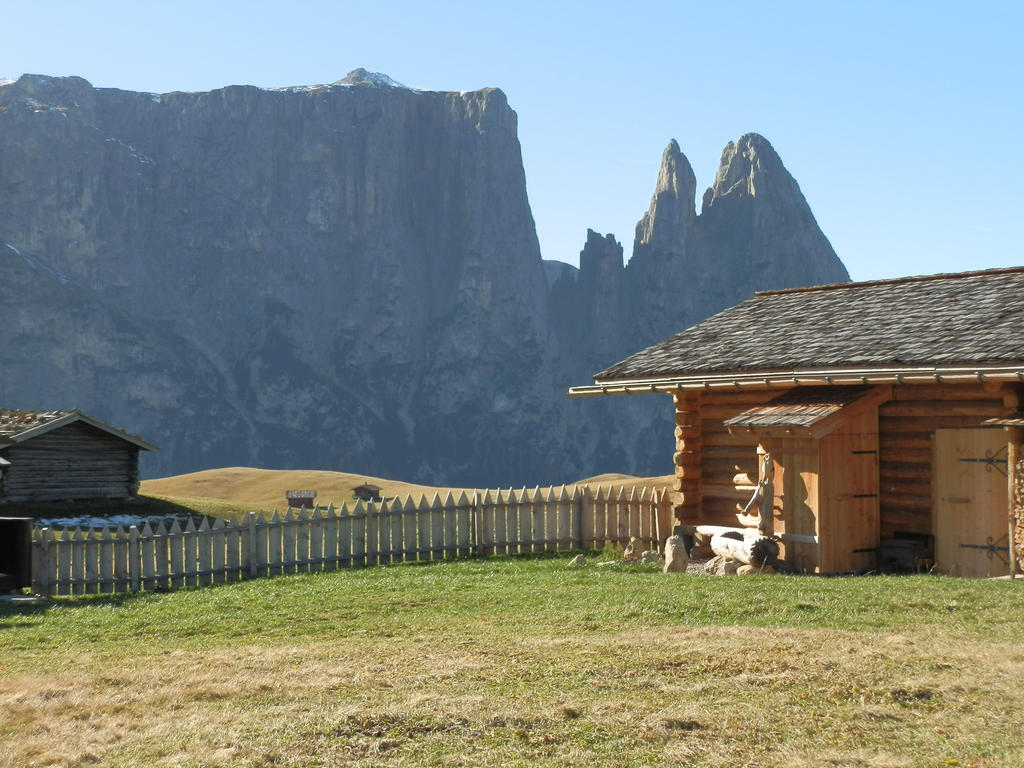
(502, 662)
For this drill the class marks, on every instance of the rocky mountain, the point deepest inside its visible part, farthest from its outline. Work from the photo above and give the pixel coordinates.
(347, 276)
(755, 232)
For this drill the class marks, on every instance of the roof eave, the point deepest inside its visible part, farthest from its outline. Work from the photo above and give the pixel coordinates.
(804, 377)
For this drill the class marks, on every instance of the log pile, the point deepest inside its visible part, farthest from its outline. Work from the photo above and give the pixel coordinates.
(742, 554)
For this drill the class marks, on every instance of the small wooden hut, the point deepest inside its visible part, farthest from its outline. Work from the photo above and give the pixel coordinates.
(367, 492)
(855, 422)
(304, 499)
(65, 455)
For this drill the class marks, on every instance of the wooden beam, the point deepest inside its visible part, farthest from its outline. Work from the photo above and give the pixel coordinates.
(1015, 488)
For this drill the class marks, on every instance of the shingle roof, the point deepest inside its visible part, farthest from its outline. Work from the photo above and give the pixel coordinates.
(14, 423)
(950, 319)
(799, 407)
(1013, 420)
(18, 426)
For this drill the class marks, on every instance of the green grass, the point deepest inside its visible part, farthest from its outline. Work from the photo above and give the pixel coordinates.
(520, 662)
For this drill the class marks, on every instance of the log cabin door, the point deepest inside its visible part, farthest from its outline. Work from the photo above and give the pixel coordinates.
(848, 525)
(969, 504)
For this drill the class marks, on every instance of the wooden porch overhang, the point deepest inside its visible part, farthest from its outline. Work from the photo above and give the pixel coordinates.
(812, 412)
(804, 377)
(1013, 420)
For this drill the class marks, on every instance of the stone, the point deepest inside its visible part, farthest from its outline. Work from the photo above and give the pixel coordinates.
(648, 557)
(676, 558)
(720, 566)
(713, 565)
(752, 570)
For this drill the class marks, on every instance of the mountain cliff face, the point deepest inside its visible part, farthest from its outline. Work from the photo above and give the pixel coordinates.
(347, 277)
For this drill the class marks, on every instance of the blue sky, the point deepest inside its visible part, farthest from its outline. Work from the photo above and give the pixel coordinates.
(900, 120)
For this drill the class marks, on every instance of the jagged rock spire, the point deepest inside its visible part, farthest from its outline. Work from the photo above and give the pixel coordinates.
(672, 206)
(755, 217)
(748, 166)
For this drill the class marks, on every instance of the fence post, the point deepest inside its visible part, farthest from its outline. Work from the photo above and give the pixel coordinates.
(41, 562)
(253, 566)
(474, 525)
(585, 510)
(134, 556)
(372, 525)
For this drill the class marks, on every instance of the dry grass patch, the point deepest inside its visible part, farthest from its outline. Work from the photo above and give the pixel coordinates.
(265, 488)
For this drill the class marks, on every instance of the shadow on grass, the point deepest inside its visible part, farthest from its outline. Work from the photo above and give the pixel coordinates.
(46, 604)
(141, 506)
(118, 599)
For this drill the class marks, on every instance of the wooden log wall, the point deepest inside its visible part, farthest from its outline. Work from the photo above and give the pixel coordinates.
(686, 459)
(500, 522)
(716, 472)
(76, 461)
(906, 428)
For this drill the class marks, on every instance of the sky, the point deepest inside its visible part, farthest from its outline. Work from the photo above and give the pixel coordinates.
(900, 121)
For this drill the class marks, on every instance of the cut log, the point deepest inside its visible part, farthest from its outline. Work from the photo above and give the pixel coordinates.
(760, 550)
(703, 533)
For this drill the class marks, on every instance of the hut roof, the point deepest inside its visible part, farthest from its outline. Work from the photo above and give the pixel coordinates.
(1013, 420)
(799, 407)
(19, 426)
(945, 321)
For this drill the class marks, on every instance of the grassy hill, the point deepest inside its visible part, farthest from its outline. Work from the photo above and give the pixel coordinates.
(265, 488)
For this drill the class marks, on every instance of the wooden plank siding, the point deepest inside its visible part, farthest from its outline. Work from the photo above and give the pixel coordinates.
(848, 521)
(76, 461)
(970, 504)
(906, 426)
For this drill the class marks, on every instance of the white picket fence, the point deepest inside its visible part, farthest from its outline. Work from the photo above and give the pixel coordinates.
(491, 522)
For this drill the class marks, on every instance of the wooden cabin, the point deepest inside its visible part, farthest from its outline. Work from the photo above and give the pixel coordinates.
(869, 423)
(367, 492)
(65, 455)
(304, 499)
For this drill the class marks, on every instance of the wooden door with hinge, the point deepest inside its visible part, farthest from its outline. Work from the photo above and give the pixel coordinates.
(969, 502)
(849, 524)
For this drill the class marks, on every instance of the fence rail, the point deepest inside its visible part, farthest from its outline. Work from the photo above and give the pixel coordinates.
(490, 522)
